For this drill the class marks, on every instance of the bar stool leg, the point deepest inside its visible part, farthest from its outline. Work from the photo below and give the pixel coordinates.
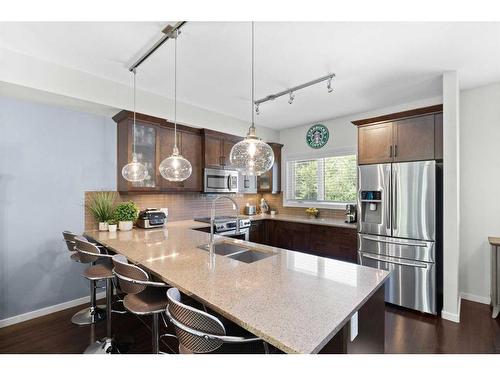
(107, 344)
(155, 333)
(92, 314)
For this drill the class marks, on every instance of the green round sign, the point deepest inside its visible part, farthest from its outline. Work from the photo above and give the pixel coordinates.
(317, 136)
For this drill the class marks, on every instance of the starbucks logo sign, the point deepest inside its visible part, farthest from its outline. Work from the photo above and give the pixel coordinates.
(317, 136)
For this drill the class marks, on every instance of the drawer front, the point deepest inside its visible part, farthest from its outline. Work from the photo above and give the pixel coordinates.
(395, 247)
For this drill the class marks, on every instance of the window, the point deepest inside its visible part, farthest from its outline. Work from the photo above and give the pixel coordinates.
(321, 181)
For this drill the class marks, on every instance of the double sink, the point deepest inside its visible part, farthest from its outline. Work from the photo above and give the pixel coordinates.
(237, 251)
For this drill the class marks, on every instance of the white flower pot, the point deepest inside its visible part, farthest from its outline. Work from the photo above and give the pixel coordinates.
(103, 226)
(112, 227)
(125, 225)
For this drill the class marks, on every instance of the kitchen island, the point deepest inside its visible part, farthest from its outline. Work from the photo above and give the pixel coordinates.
(299, 303)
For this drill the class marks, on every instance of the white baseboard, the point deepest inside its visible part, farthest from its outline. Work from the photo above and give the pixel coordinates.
(453, 317)
(476, 298)
(47, 310)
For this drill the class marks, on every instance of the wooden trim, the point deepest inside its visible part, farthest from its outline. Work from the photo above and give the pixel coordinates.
(217, 134)
(400, 115)
(152, 120)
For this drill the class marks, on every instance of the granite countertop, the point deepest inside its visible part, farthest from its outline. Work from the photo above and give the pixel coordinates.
(495, 241)
(296, 302)
(332, 222)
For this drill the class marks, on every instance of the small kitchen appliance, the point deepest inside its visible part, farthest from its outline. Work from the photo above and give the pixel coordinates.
(250, 209)
(350, 213)
(151, 218)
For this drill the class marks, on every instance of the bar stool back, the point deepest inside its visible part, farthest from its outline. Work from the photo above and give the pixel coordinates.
(69, 239)
(199, 331)
(144, 297)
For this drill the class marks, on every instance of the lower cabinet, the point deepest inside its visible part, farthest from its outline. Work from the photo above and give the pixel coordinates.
(321, 240)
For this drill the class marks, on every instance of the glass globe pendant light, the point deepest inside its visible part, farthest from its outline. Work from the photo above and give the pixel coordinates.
(134, 171)
(175, 167)
(252, 156)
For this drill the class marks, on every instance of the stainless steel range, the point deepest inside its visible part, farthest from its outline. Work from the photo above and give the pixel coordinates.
(226, 226)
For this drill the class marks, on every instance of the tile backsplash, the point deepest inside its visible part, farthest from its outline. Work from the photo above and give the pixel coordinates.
(186, 206)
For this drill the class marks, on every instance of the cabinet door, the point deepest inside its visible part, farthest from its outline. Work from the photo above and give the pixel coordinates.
(191, 150)
(257, 232)
(414, 139)
(213, 151)
(291, 236)
(146, 151)
(375, 144)
(333, 242)
(438, 136)
(227, 146)
(270, 182)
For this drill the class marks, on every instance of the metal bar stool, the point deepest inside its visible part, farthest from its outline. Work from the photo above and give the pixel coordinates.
(94, 313)
(143, 297)
(90, 252)
(199, 331)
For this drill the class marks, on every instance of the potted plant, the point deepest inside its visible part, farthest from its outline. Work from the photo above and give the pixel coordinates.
(126, 213)
(101, 205)
(112, 225)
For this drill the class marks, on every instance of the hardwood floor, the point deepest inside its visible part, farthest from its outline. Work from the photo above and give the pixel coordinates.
(406, 332)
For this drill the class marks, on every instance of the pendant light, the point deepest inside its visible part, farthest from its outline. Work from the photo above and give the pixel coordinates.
(134, 171)
(175, 167)
(252, 156)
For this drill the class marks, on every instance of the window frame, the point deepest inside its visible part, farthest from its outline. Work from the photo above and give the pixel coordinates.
(317, 155)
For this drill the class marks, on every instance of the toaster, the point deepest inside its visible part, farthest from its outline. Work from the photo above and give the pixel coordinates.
(151, 218)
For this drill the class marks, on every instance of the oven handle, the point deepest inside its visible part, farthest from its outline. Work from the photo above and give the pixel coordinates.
(398, 262)
(376, 239)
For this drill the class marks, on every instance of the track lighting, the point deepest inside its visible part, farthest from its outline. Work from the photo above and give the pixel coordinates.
(329, 85)
(257, 110)
(292, 97)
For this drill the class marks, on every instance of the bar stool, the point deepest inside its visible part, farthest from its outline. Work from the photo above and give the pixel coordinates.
(199, 331)
(90, 252)
(94, 313)
(143, 297)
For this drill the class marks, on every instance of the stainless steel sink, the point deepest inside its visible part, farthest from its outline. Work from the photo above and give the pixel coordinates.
(237, 252)
(225, 248)
(250, 256)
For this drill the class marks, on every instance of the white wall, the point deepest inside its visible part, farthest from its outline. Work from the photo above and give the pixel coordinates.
(480, 186)
(22, 70)
(48, 157)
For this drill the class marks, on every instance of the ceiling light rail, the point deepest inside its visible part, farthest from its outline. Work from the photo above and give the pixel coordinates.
(292, 90)
(170, 32)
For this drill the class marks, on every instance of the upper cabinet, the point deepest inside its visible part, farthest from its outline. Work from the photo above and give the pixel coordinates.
(405, 136)
(217, 148)
(154, 142)
(270, 182)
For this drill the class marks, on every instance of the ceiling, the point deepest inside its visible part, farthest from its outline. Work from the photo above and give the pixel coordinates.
(376, 64)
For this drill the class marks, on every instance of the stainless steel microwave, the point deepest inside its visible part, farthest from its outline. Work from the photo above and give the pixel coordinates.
(220, 181)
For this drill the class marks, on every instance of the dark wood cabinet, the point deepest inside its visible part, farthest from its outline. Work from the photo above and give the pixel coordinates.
(375, 144)
(270, 182)
(414, 139)
(155, 142)
(405, 136)
(217, 147)
(321, 240)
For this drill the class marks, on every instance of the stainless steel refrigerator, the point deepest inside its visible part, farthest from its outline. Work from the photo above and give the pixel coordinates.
(397, 229)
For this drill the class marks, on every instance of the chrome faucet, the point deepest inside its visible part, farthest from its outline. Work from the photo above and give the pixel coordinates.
(212, 220)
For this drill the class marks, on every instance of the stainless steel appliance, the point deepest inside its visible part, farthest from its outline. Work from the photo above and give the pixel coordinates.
(250, 209)
(350, 213)
(247, 184)
(226, 226)
(220, 181)
(397, 229)
(151, 218)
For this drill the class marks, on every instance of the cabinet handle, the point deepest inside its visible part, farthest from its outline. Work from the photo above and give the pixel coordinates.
(390, 151)
(395, 150)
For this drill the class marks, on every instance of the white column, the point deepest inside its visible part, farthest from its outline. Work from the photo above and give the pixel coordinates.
(451, 197)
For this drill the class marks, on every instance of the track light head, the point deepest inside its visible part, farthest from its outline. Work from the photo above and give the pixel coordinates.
(329, 85)
(292, 97)
(257, 110)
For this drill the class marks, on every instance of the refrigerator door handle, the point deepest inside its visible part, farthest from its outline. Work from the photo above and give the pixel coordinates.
(416, 244)
(394, 198)
(394, 261)
(388, 200)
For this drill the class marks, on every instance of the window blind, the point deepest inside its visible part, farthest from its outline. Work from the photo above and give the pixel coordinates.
(328, 179)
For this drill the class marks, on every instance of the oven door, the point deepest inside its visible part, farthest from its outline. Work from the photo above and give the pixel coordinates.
(220, 181)
(412, 283)
(244, 234)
